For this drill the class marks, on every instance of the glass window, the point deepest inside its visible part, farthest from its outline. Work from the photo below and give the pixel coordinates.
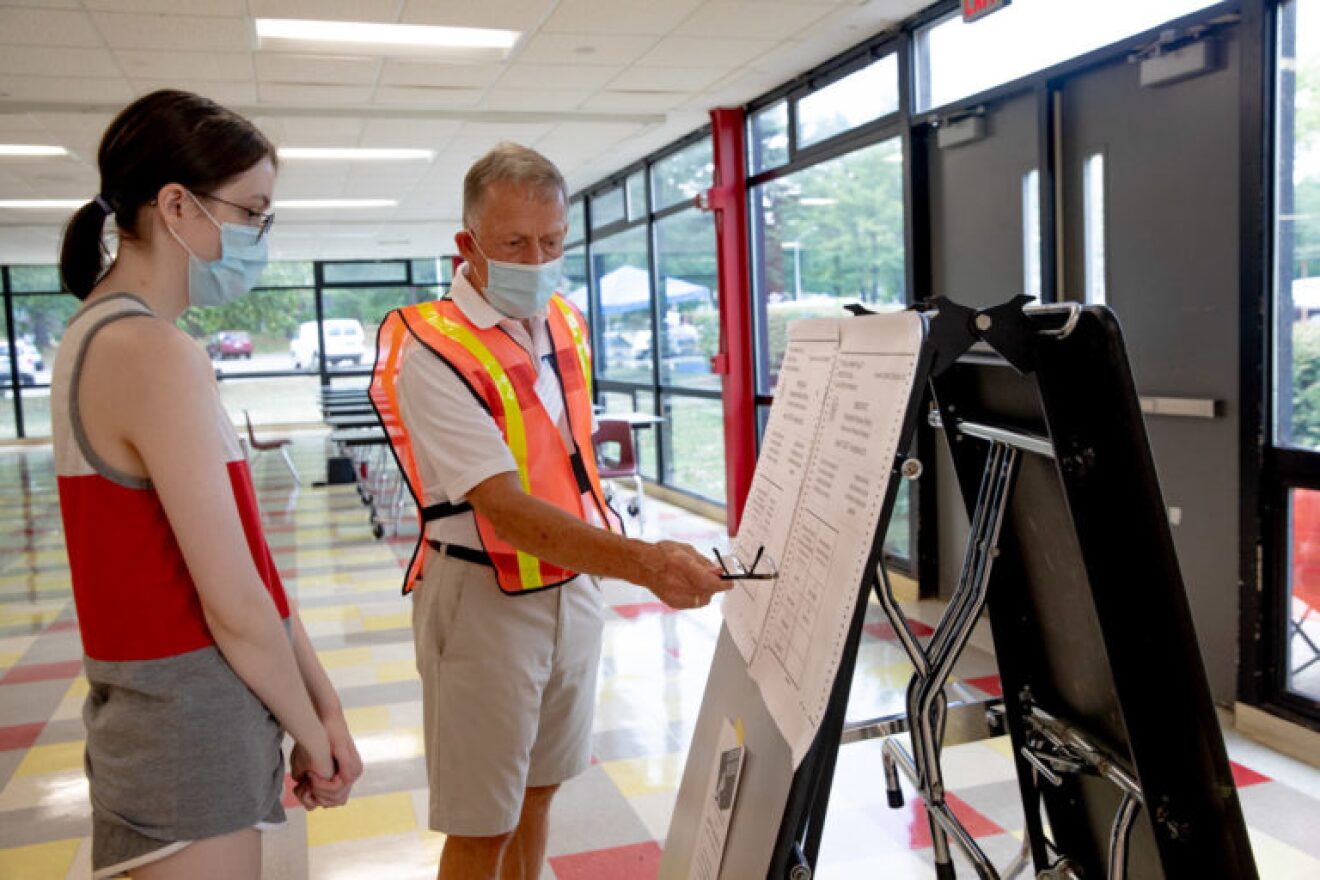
(284, 400)
(388, 271)
(1093, 226)
(577, 220)
(428, 271)
(1303, 651)
(694, 445)
(856, 99)
(607, 207)
(35, 279)
(769, 138)
(287, 273)
(637, 195)
(352, 317)
(1031, 232)
(956, 59)
(574, 285)
(680, 176)
(636, 400)
(8, 426)
(898, 540)
(823, 237)
(39, 321)
(689, 304)
(258, 333)
(1297, 232)
(622, 276)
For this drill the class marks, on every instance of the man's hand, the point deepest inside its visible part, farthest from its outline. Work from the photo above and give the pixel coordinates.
(681, 577)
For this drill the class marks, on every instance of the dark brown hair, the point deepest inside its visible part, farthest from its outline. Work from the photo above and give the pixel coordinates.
(165, 137)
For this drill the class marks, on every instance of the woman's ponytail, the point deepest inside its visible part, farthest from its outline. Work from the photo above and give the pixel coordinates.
(82, 255)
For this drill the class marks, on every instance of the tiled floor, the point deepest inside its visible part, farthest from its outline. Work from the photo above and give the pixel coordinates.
(609, 823)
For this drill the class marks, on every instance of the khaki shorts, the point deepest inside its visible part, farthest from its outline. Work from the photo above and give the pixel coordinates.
(508, 691)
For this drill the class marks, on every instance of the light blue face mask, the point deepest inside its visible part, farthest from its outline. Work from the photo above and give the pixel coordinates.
(518, 290)
(242, 259)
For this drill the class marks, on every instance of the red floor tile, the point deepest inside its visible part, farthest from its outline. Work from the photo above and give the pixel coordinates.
(639, 861)
(20, 736)
(62, 626)
(988, 683)
(42, 672)
(1244, 776)
(911, 822)
(636, 610)
(885, 630)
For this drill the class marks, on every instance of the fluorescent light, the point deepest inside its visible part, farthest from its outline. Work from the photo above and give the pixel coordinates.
(282, 204)
(32, 150)
(816, 200)
(383, 39)
(366, 154)
(43, 204)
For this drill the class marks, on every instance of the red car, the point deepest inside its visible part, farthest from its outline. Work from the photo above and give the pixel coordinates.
(229, 344)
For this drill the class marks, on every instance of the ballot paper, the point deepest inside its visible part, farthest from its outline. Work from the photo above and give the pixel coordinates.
(814, 506)
(717, 808)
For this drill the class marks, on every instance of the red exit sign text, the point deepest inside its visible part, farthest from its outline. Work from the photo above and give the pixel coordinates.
(974, 9)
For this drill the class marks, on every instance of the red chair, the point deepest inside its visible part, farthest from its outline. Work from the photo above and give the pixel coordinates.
(280, 443)
(1305, 568)
(616, 458)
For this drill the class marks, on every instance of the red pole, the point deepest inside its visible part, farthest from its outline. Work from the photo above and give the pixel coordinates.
(728, 199)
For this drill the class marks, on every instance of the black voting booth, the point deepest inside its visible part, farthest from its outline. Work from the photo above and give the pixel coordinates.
(1120, 762)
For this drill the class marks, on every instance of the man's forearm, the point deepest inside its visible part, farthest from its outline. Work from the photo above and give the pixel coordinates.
(546, 532)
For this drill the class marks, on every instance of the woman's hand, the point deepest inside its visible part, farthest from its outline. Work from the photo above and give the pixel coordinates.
(331, 789)
(310, 770)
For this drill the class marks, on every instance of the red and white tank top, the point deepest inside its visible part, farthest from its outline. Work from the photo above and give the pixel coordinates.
(134, 595)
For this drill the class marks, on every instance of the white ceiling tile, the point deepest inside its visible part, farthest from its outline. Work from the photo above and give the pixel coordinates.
(585, 49)
(644, 17)
(175, 32)
(535, 100)
(47, 27)
(634, 101)
(275, 67)
(312, 131)
(172, 7)
(398, 72)
(220, 92)
(384, 11)
(517, 15)
(157, 64)
(69, 89)
(12, 124)
(523, 75)
(678, 51)
(751, 20)
(685, 79)
(416, 96)
(494, 132)
(54, 61)
(45, 4)
(313, 95)
(429, 134)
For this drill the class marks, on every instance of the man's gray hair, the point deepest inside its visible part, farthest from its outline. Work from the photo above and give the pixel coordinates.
(509, 163)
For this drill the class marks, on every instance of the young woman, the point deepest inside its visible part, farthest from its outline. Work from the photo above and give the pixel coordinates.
(196, 661)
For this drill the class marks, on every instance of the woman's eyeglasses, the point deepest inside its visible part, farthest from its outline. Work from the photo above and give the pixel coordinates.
(255, 218)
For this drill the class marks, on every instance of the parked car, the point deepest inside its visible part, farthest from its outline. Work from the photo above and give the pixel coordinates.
(343, 344)
(29, 358)
(26, 374)
(229, 344)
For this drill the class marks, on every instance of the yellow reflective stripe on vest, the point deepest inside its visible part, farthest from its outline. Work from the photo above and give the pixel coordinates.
(579, 340)
(529, 567)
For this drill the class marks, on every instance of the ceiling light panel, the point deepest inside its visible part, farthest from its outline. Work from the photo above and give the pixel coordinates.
(369, 38)
(32, 150)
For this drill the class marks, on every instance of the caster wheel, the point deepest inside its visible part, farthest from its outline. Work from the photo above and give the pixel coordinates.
(377, 530)
(633, 508)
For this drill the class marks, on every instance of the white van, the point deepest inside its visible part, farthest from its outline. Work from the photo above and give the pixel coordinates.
(343, 344)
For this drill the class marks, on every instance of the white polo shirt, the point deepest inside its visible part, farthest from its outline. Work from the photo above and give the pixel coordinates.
(456, 443)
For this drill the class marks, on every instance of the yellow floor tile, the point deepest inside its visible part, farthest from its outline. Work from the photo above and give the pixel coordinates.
(78, 688)
(344, 657)
(55, 758)
(39, 860)
(645, 775)
(9, 658)
(396, 670)
(402, 620)
(367, 719)
(362, 817)
(1277, 860)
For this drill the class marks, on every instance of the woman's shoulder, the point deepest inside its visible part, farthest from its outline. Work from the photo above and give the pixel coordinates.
(145, 348)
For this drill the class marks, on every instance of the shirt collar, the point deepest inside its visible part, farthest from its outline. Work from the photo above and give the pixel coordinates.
(471, 303)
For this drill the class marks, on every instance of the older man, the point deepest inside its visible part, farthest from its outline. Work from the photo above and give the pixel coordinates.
(486, 395)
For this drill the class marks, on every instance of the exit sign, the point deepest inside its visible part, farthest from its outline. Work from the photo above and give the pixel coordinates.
(974, 9)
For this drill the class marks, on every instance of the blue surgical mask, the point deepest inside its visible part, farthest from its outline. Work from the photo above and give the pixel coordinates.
(518, 290)
(242, 259)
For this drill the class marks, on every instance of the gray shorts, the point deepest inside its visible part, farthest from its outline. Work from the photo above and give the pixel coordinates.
(508, 691)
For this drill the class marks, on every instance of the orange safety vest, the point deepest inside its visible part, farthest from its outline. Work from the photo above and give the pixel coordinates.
(502, 375)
